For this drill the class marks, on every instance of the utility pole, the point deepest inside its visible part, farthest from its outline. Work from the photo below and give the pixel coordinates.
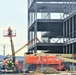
(4, 50)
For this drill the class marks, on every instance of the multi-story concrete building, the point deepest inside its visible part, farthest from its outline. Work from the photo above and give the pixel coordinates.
(54, 22)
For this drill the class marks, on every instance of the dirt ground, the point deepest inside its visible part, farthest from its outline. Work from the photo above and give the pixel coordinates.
(37, 72)
(64, 72)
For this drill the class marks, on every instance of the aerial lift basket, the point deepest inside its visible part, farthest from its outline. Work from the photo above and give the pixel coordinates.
(5, 33)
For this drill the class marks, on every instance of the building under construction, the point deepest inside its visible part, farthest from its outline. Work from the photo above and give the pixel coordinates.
(55, 22)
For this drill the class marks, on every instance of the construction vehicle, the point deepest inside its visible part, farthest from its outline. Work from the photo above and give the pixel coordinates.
(12, 33)
(57, 64)
(53, 61)
(7, 63)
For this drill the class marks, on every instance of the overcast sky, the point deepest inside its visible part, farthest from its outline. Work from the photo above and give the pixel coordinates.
(13, 13)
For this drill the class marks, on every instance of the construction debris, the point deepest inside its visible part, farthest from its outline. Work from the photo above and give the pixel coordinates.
(48, 70)
(45, 70)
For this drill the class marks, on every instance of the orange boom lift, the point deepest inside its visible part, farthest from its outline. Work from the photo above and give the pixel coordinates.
(52, 61)
(11, 33)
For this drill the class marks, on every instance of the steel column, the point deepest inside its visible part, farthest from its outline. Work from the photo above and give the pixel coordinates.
(69, 36)
(35, 27)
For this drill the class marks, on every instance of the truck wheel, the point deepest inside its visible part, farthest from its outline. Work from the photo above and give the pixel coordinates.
(67, 68)
(32, 67)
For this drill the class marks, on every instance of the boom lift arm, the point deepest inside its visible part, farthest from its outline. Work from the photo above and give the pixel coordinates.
(27, 45)
(13, 51)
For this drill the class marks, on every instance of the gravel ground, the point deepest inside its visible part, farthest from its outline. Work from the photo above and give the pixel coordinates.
(36, 73)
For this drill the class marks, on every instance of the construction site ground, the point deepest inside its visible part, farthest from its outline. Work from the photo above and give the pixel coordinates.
(61, 73)
(51, 71)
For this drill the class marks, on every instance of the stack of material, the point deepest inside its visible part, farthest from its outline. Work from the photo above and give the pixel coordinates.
(49, 70)
(41, 54)
(45, 70)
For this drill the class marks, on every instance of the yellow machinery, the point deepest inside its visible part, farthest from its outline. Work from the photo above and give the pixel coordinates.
(67, 57)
